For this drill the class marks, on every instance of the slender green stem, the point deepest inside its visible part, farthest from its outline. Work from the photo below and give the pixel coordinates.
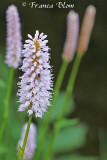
(7, 101)
(69, 90)
(71, 83)
(60, 79)
(45, 123)
(21, 150)
(103, 144)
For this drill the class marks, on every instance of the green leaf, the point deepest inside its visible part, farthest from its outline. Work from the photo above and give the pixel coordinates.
(3, 149)
(77, 157)
(70, 138)
(67, 122)
(2, 84)
(59, 104)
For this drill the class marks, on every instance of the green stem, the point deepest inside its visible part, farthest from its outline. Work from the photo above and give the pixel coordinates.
(21, 150)
(71, 83)
(60, 79)
(103, 144)
(7, 101)
(67, 97)
(45, 123)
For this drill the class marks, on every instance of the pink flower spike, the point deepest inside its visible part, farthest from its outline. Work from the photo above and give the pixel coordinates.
(14, 44)
(38, 77)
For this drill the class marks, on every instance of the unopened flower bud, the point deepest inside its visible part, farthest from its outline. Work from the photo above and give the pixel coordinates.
(71, 36)
(86, 29)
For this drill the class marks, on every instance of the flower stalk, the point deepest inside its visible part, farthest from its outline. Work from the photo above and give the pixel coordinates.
(21, 150)
(71, 83)
(67, 97)
(13, 55)
(7, 102)
(81, 49)
(60, 78)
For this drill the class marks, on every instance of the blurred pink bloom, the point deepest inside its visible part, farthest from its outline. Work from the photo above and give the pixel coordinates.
(14, 44)
(71, 36)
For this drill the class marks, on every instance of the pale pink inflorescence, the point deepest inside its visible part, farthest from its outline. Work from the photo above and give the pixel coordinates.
(71, 36)
(30, 145)
(87, 26)
(36, 83)
(14, 44)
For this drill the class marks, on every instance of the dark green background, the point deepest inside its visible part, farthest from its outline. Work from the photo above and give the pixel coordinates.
(90, 92)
